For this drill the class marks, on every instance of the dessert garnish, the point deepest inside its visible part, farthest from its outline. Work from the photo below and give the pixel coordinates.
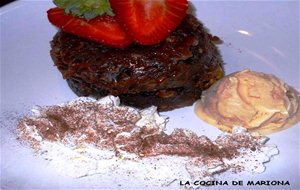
(149, 21)
(103, 29)
(257, 101)
(87, 9)
(144, 21)
(87, 136)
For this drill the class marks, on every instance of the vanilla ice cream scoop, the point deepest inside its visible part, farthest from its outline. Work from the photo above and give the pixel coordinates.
(257, 101)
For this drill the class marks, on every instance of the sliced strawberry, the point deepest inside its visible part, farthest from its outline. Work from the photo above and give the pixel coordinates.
(102, 29)
(149, 21)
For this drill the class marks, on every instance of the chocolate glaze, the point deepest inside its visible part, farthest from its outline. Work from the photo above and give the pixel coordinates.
(169, 75)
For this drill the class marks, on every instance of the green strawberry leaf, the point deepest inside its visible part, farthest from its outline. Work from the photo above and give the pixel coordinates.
(87, 9)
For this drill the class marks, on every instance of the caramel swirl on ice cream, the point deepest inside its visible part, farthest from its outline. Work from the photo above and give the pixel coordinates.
(257, 101)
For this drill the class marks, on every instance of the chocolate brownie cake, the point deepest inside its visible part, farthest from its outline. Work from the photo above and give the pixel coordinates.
(169, 75)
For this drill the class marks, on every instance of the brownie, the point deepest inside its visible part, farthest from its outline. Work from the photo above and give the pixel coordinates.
(169, 75)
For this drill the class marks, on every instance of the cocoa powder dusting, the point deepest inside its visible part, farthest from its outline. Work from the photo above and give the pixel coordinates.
(114, 128)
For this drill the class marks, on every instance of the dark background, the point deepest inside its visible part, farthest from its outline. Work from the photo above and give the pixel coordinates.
(4, 2)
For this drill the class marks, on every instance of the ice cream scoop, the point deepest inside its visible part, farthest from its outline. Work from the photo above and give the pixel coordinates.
(257, 101)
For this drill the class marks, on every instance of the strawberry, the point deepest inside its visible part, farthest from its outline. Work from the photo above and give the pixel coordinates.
(149, 21)
(103, 29)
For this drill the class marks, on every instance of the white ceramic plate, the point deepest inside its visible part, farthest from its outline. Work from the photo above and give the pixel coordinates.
(262, 36)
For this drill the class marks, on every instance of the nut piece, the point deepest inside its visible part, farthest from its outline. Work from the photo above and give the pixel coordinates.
(257, 101)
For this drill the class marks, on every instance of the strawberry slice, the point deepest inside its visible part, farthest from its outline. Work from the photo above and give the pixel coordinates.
(149, 21)
(102, 29)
